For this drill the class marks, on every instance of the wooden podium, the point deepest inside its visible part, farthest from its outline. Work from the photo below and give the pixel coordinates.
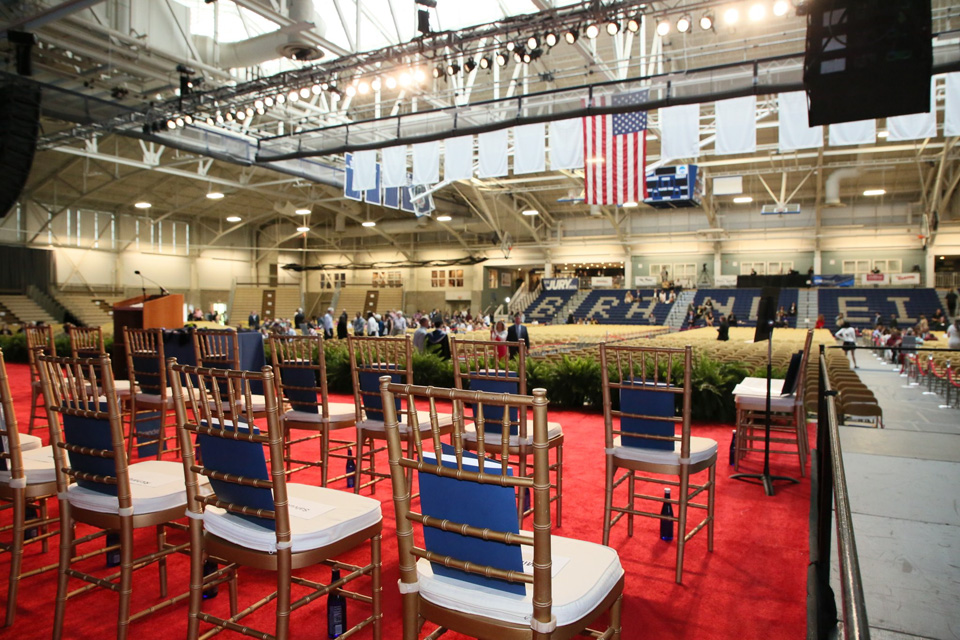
(143, 312)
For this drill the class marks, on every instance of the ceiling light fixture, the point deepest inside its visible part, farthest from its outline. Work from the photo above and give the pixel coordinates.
(874, 192)
(530, 212)
(303, 211)
(368, 223)
(633, 24)
(757, 12)
(592, 31)
(470, 65)
(570, 36)
(742, 199)
(143, 204)
(684, 24)
(485, 62)
(501, 58)
(706, 21)
(363, 87)
(215, 195)
(613, 28)
(533, 42)
(663, 28)
(391, 82)
(303, 229)
(305, 92)
(730, 16)
(551, 39)
(444, 218)
(375, 84)
(630, 205)
(234, 218)
(781, 8)
(883, 134)
(453, 69)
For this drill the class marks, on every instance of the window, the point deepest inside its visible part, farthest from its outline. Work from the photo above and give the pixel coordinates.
(856, 267)
(456, 277)
(379, 278)
(332, 280)
(438, 279)
(893, 265)
(493, 279)
(394, 279)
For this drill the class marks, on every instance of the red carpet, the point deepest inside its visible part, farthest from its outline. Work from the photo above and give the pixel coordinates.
(752, 585)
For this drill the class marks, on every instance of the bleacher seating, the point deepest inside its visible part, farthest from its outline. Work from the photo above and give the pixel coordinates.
(245, 300)
(352, 299)
(859, 305)
(390, 299)
(609, 306)
(24, 310)
(91, 308)
(288, 301)
(545, 306)
(742, 302)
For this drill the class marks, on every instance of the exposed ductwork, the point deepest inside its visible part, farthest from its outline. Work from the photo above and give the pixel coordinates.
(831, 188)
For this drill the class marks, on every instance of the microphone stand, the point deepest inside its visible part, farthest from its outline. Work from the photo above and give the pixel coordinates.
(143, 286)
(163, 291)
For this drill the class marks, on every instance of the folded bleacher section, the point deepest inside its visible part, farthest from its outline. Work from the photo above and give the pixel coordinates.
(742, 302)
(547, 305)
(859, 305)
(609, 306)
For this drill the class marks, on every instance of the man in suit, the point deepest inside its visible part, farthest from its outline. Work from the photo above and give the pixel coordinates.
(516, 333)
(254, 321)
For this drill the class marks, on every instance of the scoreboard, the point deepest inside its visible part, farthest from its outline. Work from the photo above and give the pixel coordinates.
(674, 187)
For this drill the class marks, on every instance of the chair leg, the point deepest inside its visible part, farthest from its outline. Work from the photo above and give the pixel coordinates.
(357, 472)
(324, 454)
(16, 555)
(162, 562)
(126, 577)
(560, 484)
(44, 544)
(615, 613)
(376, 586)
(196, 581)
(34, 394)
(608, 499)
(631, 489)
(682, 519)
(284, 568)
(711, 499)
(66, 551)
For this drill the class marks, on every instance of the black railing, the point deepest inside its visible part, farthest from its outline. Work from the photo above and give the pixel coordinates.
(829, 494)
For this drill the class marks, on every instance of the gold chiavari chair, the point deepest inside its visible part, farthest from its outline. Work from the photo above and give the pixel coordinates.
(480, 365)
(301, 375)
(254, 517)
(27, 480)
(220, 349)
(371, 358)
(477, 573)
(38, 338)
(640, 438)
(87, 342)
(109, 494)
(153, 402)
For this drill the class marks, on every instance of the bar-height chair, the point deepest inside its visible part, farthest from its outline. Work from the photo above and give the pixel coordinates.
(371, 358)
(220, 349)
(479, 366)
(641, 439)
(301, 376)
(470, 575)
(153, 401)
(38, 337)
(109, 494)
(27, 479)
(254, 517)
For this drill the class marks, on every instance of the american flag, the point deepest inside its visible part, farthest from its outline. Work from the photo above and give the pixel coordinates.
(614, 152)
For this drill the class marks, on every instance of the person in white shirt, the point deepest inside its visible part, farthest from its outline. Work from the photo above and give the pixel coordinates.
(373, 327)
(400, 325)
(328, 324)
(953, 335)
(420, 335)
(848, 335)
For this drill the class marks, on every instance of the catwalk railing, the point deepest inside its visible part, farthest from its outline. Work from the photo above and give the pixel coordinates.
(830, 495)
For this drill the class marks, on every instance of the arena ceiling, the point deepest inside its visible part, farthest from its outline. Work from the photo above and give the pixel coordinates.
(112, 72)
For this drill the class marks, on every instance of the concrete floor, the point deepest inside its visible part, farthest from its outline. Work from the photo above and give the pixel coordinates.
(904, 484)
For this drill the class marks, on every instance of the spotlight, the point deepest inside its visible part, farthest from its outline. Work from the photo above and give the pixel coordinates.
(219, 118)
(501, 58)
(391, 82)
(375, 84)
(453, 69)
(249, 111)
(683, 24)
(706, 21)
(633, 24)
(405, 79)
(316, 89)
(485, 62)
(281, 98)
(518, 54)
(293, 96)
(757, 12)
(305, 92)
(418, 75)
(351, 91)
(437, 71)
(210, 121)
(533, 42)
(536, 53)
(780, 8)
(363, 87)
(335, 94)
(188, 119)
(470, 65)
(258, 104)
(613, 28)
(663, 27)
(730, 16)
(171, 124)
(241, 115)
(551, 39)
(268, 101)
(229, 116)
(527, 59)
(261, 111)
(570, 36)
(592, 31)
(180, 123)
(511, 46)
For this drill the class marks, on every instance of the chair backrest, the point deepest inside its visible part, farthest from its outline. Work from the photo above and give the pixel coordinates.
(38, 337)
(86, 432)
(233, 452)
(217, 348)
(145, 360)
(647, 382)
(468, 510)
(86, 342)
(478, 366)
(802, 383)
(372, 357)
(10, 459)
(300, 372)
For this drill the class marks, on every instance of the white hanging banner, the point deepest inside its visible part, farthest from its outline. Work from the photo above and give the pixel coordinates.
(736, 126)
(529, 148)
(915, 126)
(364, 170)
(492, 151)
(680, 132)
(458, 158)
(566, 144)
(951, 108)
(795, 132)
(394, 167)
(426, 163)
(860, 132)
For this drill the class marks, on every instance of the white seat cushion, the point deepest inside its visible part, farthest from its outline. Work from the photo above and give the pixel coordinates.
(443, 419)
(155, 485)
(318, 517)
(700, 449)
(38, 466)
(339, 412)
(554, 430)
(154, 397)
(258, 404)
(27, 442)
(583, 574)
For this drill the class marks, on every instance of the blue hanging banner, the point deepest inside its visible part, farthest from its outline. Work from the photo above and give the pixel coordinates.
(348, 190)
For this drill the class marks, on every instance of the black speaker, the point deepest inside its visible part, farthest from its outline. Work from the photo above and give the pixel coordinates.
(867, 59)
(19, 125)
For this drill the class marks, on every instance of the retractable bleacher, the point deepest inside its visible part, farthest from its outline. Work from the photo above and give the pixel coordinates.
(859, 305)
(744, 303)
(609, 306)
(547, 305)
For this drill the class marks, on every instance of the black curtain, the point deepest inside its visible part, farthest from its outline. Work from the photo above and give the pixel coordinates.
(21, 266)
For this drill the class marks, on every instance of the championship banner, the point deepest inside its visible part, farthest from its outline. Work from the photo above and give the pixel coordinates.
(900, 279)
(601, 281)
(875, 278)
(645, 281)
(724, 281)
(560, 284)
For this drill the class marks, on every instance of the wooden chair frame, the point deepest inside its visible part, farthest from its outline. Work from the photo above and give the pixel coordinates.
(65, 381)
(220, 349)
(86, 342)
(417, 609)
(478, 360)
(306, 353)
(38, 337)
(651, 369)
(148, 343)
(16, 495)
(204, 401)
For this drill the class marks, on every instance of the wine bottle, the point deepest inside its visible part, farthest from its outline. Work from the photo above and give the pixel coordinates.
(209, 568)
(113, 556)
(336, 610)
(733, 448)
(351, 469)
(666, 526)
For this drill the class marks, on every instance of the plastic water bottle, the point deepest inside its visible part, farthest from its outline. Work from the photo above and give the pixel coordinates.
(666, 526)
(351, 469)
(336, 610)
(733, 447)
(209, 568)
(113, 557)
